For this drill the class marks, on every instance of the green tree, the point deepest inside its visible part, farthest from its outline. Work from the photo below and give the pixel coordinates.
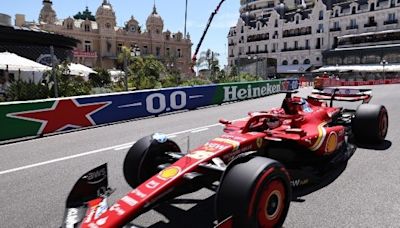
(101, 79)
(21, 91)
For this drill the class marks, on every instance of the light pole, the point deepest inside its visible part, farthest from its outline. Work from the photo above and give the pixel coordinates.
(383, 63)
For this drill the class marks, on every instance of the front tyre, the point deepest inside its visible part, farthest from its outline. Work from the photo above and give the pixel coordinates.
(370, 124)
(256, 192)
(144, 157)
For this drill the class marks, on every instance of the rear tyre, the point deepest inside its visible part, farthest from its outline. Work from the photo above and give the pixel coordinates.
(144, 157)
(256, 192)
(370, 124)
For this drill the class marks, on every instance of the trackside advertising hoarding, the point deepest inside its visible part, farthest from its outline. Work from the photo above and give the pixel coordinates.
(32, 118)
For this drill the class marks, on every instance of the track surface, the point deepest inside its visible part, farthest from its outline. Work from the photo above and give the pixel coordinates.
(37, 175)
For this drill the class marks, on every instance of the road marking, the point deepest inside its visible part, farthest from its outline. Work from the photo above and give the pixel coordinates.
(116, 147)
(199, 130)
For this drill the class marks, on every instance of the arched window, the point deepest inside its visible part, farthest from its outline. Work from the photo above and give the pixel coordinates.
(353, 10)
(295, 62)
(321, 15)
(284, 62)
(306, 61)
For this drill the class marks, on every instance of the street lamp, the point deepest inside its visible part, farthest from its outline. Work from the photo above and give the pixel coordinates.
(383, 63)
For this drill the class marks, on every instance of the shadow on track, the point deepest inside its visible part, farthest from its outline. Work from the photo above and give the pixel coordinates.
(386, 144)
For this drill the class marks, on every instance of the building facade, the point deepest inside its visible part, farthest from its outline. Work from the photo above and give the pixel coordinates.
(301, 35)
(102, 40)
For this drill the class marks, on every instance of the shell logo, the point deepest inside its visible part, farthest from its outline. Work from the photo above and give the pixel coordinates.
(259, 142)
(331, 143)
(169, 172)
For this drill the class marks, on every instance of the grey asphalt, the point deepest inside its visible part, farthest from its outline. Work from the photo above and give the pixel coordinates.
(366, 194)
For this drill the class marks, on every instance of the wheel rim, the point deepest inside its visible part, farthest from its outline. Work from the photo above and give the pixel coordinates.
(271, 205)
(383, 124)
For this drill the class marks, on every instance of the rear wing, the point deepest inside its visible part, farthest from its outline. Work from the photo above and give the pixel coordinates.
(342, 94)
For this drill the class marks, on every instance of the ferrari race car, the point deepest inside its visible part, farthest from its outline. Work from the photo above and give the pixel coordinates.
(261, 163)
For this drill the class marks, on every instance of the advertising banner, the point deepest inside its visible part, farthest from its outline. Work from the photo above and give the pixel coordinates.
(32, 118)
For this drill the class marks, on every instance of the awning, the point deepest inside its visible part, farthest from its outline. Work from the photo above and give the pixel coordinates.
(14, 62)
(294, 69)
(80, 70)
(361, 68)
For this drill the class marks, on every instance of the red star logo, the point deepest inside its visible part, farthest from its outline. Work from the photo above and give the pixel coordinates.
(63, 114)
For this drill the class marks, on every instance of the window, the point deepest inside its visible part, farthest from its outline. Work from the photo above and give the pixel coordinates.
(307, 44)
(276, 22)
(296, 44)
(295, 62)
(257, 48)
(158, 51)
(336, 25)
(145, 50)
(168, 52)
(391, 16)
(108, 25)
(285, 45)
(119, 47)
(179, 53)
(372, 7)
(318, 43)
(320, 28)
(87, 28)
(88, 46)
(321, 15)
(307, 61)
(353, 10)
(133, 29)
(284, 62)
(69, 25)
(248, 49)
(266, 48)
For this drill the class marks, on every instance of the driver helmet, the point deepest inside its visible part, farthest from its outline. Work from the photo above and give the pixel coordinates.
(273, 123)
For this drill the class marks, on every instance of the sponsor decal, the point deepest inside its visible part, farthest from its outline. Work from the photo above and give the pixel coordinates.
(320, 138)
(92, 225)
(128, 200)
(299, 182)
(233, 93)
(259, 142)
(96, 176)
(233, 143)
(234, 137)
(331, 143)
(235, 153)
(152, 184)
(72, 217)
(102, 221)
(214, 147)
(90, 215)
(117, 208)
(101, 208)
(139, 193)
(169, 172)
(200, 154)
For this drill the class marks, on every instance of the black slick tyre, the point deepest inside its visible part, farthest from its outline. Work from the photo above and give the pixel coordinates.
(370, 123)
(256, 192)
(143, 158)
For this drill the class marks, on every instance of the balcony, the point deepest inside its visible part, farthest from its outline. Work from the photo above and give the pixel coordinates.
(371, 24)
(335, 29)
(231, 56)
(352, 27)
(231, 44)
(390, 22)
(295, 49)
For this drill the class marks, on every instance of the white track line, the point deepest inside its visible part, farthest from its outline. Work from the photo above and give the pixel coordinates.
(200, 130)
(117, 147)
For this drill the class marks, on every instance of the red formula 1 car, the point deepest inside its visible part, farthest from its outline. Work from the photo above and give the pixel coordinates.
(261, 162)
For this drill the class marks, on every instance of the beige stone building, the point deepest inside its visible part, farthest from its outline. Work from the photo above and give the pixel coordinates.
(102, 39)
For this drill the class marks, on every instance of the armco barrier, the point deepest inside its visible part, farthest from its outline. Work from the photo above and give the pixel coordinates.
(328, 82)
(21, 119)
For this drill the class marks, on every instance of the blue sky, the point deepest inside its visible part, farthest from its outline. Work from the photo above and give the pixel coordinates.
(172, 11)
